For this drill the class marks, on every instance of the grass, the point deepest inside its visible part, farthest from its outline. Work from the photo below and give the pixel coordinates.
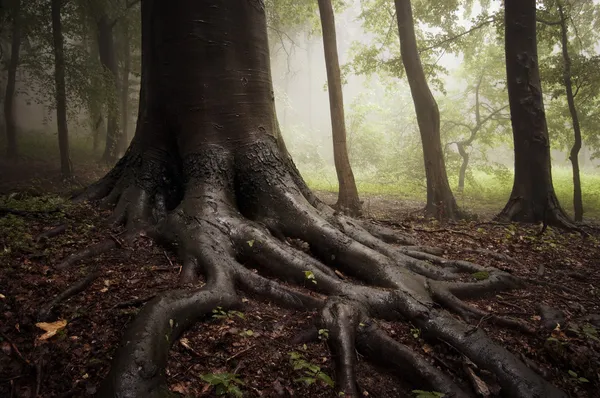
(485, 193)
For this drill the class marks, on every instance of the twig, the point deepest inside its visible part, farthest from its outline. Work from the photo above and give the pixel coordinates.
(240, 353)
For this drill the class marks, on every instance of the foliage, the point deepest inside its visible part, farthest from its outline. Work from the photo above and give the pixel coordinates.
(220, 313)
(224, 383)
(311, 372)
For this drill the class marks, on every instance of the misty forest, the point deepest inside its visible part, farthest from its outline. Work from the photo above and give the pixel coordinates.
(300, 198)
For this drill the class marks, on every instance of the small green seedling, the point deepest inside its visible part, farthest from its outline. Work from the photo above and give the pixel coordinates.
(323, 334)
(574, 375)
(220, 313)
(311, 372)
(481, 275)
(224, 383)
(428, 394)
(310, 276)
(416, 332)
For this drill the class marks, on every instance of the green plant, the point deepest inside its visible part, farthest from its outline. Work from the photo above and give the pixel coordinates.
(574, 375)
(481, 275)
(220, 313)
(311, 372)
(224, 383)
(587, 330)
(310, 276)
(416, 332)
(428, 394)
(323, 334)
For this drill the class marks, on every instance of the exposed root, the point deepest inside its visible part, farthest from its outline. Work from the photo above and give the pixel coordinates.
(51, 233)
(87, 253)
(235, 217)
(374, 344)
(341, 320)
(46, 312)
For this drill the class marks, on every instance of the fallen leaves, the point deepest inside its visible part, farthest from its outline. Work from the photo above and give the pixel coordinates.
(51, 328)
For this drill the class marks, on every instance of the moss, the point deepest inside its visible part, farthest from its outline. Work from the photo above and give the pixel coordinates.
(481, 275)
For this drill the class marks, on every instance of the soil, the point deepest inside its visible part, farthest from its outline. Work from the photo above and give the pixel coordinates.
(257, 343)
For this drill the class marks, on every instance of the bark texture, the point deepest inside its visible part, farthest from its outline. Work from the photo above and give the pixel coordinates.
(532, 198)
(348, 194)
(9, 94)
(207, 172)
(115, 146)
(61, 93)
(567, 78)
(440, 200)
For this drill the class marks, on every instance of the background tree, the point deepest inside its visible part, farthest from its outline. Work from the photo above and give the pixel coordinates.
(14, 10)
(532, 198)
(61, 95)
(440, 200)
(348, 194)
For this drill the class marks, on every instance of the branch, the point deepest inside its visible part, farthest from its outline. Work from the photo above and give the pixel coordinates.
(458, 36)
(549, 23)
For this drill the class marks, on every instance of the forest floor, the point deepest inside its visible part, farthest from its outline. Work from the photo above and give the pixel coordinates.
(562, 300)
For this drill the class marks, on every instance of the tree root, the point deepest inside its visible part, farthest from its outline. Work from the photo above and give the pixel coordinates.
(78, 287)
(235, 218)
(51, 233)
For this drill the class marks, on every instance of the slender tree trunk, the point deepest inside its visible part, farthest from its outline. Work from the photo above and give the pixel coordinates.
(9, 95)
(348, 194)
(574, 155)
(440, 200)
(61, 95)
(533, 198)
(125, 87)
(108, 59)
(463, 167)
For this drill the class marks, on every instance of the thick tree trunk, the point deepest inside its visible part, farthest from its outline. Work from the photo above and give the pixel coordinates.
(125, 87)
(348, 194)
(533, 198)
(9, 115)
(440, 200)
(61, 94)
(574, 155)
(108, 59)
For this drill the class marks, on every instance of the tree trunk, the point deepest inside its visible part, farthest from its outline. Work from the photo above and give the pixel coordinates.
(440, 200)
(463, 167)
(125, 87)
(108, 59)
(348, 194)
(11, 129)
(532, 198)
(574, 155)
(208, 173)
(61, 95)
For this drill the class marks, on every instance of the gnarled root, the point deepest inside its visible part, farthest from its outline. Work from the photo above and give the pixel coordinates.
(238, 208)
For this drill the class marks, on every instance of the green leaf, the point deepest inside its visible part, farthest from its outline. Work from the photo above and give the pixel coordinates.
(250, 243)
(583, 380)
(307, 380)
(326, 379)
(572, 373)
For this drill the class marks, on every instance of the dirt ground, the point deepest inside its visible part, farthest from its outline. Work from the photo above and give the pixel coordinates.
(562, 300)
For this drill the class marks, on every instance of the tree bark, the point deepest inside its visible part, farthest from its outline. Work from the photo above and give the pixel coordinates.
(125, 86)
(440, 200)
(348, 194)
(108, 59)
(532, 198)
(574, 154)
(61, 94)
(12, 151)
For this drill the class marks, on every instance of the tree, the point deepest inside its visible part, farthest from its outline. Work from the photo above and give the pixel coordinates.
(532, 198)
(61, 95)
(440, 200)
(348, 194)
(9, 94)
(206, 170)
